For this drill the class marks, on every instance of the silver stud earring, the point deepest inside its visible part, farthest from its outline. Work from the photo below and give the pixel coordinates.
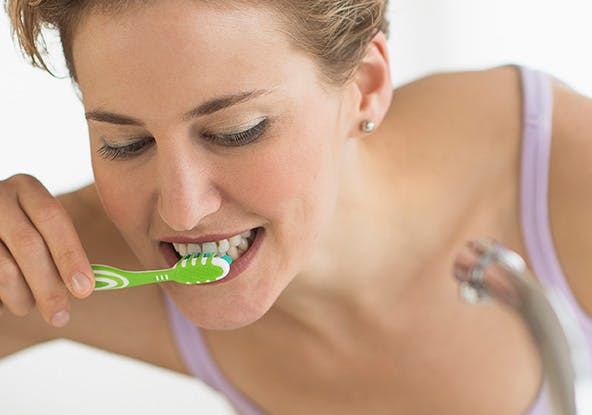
(368, 126)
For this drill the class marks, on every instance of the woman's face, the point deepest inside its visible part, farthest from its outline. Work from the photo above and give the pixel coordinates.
(222, 127)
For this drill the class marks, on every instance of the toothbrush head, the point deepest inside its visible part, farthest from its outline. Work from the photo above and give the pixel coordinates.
(201, 268)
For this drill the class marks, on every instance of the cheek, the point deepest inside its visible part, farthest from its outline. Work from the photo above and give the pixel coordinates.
(122, 199)
(293, 182)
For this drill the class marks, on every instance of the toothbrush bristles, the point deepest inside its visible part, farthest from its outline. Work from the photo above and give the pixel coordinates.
(198, 254)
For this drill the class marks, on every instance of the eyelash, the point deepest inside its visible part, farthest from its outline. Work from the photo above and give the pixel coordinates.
(229, 140)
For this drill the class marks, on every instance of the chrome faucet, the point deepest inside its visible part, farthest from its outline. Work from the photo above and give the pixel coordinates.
(486, 270)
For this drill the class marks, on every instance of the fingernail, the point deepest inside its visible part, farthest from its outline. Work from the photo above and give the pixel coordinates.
(60, 319)
(80, 283)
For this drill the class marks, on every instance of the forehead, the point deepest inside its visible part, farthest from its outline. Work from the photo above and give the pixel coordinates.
(181, 48)
(178, 25)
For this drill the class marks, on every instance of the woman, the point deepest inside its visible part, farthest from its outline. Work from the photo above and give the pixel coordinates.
(275, 120)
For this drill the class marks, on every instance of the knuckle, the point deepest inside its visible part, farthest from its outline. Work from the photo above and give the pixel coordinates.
(55, 302)
(7, 187)
(29, 239)
(13, 179)
(49, 212)
(66, 258)
(8, 271)
(11, 185)
(24, 179)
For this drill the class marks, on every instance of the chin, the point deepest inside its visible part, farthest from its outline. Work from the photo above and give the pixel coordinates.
(220, 312)
(226, 322)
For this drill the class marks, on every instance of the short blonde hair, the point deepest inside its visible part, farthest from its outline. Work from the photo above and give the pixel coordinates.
(334, 32)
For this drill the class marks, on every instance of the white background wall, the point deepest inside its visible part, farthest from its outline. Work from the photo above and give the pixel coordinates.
(42, 132)
(43, 127)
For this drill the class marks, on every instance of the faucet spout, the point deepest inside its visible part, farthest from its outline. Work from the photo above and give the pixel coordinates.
(488, 271)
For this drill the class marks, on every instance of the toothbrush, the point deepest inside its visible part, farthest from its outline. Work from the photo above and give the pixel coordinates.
(191, 269)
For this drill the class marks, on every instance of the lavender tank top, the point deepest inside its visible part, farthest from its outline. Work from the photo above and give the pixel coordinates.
(536, 146)
(536, 154)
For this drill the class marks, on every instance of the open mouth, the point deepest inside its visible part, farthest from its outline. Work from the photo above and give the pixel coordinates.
(234, 246)
(242, 248)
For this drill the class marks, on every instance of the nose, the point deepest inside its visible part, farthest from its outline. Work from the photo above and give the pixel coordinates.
(186, 192)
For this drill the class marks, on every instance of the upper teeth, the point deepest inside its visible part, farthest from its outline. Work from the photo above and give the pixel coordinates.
(233, 246)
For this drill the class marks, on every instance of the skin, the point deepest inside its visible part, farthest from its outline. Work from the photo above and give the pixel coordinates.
(335, 301)
(287, 182)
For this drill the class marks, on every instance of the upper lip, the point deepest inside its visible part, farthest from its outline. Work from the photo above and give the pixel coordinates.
(186, 239)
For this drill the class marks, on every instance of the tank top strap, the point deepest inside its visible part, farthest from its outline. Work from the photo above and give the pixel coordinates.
(537, 96)
(194, 351)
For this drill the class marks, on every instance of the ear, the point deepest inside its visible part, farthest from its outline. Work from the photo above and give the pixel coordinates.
(372, 85)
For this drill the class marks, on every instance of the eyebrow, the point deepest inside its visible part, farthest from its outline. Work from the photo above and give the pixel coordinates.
(206, 108)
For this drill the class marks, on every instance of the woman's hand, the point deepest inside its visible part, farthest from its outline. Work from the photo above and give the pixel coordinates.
(41, 256)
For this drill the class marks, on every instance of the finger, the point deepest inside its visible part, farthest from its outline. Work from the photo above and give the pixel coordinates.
(14, 291)
(37, 267)
(56, 227)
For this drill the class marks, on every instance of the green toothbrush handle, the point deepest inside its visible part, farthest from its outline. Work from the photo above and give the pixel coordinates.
(111, 278)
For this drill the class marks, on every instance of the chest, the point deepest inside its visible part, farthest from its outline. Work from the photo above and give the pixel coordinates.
(457, 362)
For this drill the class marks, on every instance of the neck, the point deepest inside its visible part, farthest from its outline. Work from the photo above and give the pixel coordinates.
(368, 249)
(382, 237)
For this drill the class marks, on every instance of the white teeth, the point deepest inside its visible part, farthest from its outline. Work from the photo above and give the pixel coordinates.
(233, 247)
(233, 253)
(235, 240)
(210, 248)
(243, 244)
(181, 248)
(223, 246)
(193, 248)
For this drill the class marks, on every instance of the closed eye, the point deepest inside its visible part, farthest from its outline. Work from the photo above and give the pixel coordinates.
(235, 139)
(124, 152)
(239, 138)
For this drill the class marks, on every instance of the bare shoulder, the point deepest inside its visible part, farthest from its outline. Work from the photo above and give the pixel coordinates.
(466, 126)
(570, 184)
(487, 104)
(459, 123)
(488, 101)
(131, 322)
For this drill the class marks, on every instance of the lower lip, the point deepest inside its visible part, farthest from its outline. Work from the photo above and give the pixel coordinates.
(236, 267)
